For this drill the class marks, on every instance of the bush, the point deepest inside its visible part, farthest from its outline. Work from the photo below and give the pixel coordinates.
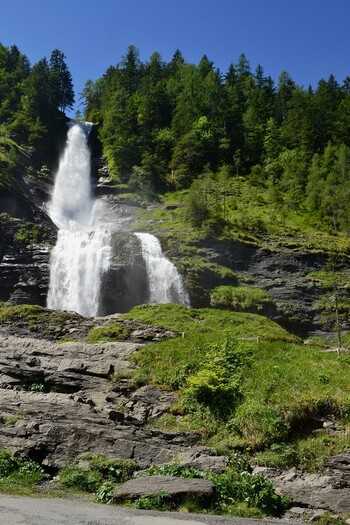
(79, 479)
(19, 470)
(260, 424)
(161, 501)
(240, 298)
(217, 383)
(117, 470)
(109, 333)
(104, 493)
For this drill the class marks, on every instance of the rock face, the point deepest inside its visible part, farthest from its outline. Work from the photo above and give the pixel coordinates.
(284, 274)
(328, 490)
(60, 400)
(125, 284)
(24, 258)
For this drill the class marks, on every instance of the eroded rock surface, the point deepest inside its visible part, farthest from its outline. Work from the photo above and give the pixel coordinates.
(328, 490)
(60, 400)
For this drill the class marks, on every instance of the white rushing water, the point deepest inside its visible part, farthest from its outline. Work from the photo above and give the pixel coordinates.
(165, 283)
(82, 251)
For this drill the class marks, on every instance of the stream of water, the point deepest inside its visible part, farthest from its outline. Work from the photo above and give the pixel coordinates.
(83, 252)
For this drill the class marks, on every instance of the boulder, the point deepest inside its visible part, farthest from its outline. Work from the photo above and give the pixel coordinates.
(176, 488)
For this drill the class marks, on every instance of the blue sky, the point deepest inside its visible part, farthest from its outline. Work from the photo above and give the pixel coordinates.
(308, 38)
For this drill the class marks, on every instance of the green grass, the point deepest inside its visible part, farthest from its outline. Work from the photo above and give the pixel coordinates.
(240, 298)
(209, 321)
(109, 333)
(18, 475)
(39, 320)
(243, 380)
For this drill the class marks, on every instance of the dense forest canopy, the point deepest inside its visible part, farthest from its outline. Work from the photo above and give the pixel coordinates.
(32, 103)
(169, 125)
(176, 125)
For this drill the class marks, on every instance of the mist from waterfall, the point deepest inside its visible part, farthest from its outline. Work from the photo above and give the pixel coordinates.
(82, 251)
(164, 281)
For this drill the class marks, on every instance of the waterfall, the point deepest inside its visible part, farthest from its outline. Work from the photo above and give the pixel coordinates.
(165, 283)
(82, 251)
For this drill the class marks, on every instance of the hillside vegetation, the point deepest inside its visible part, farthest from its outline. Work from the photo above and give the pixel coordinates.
(257, 157)
(246, 384)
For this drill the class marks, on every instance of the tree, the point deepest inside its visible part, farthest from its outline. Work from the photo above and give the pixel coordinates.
(61, 84)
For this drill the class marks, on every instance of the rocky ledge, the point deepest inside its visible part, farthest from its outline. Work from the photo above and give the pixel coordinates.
(62, 399)
(328, 490)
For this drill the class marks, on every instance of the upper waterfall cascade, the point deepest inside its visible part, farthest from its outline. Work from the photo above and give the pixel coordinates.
(82, 259)
(82, 251)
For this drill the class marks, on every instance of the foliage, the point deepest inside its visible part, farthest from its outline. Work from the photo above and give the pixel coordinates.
(17, 473)
(116, 470)
(243, 298)
(76, 478)
(235, 485)
(105, 334)
(235, 389)
(32, 101)
(104, 494)
(160, 501)
(29, 233)
(99, 475)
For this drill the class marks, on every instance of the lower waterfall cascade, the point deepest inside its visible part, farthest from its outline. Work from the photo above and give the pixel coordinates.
(82, 258)
(165, 283)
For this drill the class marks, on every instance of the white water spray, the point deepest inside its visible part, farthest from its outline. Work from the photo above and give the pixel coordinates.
(82, 251)
(165, 283)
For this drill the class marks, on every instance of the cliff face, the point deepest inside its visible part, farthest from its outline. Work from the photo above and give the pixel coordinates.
(285, 275)
(27, 235)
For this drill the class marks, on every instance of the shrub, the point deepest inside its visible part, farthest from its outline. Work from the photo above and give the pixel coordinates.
(79, 479)
(109, 333)
(240, 298)
(116, 470)
(104, 493)
(260, 424)
(161, 501)
(19, 470)
(217, 383)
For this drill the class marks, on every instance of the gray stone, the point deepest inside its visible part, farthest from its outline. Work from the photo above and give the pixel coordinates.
(173, 486)
(82, 414)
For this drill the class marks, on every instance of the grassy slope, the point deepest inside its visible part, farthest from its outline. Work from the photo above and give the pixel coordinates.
(251, 218)
(284, 386)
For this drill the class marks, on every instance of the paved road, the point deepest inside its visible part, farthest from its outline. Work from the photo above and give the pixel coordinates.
(15, 510)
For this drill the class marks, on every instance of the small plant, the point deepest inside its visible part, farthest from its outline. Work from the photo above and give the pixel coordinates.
(37, 387)
(76, 478)
(17, 471)
(104, 493)
(100, 476)
(117, 470)
(160, 501)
